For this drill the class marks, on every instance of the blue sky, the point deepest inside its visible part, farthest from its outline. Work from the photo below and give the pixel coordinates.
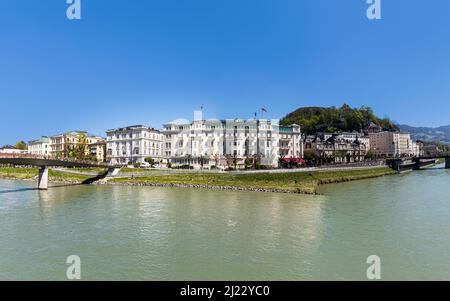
(151, 61)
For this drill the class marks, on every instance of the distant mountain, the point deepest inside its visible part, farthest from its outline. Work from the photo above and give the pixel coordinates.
(441, 133)
(332, 119)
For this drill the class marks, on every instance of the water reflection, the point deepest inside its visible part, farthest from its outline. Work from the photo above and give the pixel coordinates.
(16, 190)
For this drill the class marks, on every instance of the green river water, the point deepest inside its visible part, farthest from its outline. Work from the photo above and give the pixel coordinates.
(146, 233)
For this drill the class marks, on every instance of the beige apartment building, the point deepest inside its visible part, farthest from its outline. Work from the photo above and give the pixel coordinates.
(394, 144)
(62, 145)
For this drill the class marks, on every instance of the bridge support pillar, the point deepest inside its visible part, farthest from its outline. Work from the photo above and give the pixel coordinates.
(447, 162)
(43, 178)
(416, 164)
(112, 172)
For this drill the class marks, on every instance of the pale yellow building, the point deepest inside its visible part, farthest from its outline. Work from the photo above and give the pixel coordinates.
(63, 145)
(97, 150)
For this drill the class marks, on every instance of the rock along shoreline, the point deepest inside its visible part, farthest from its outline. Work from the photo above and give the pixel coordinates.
(198, 186)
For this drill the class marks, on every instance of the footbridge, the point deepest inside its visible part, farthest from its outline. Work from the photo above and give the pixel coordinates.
(44, 164)
(446, 157)
(416, 163)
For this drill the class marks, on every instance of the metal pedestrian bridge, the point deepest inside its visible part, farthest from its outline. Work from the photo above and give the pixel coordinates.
(45, 163)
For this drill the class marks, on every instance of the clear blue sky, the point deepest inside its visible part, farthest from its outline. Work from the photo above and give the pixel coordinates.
(151, 61)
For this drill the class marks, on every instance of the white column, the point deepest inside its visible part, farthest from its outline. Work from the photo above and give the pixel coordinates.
(43, 178)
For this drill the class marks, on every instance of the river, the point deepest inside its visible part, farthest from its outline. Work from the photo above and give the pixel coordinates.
(151, 233)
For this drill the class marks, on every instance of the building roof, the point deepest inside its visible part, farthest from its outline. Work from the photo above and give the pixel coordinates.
(131, 127)
(101, 142)
(76, 133)
(179, 121)
(8, 146)
(43, 139)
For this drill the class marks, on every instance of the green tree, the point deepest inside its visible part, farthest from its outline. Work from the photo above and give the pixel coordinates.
(248, 162)
(21, 145)
(311, 157)
(150, 161)
(370, 155)
(80, 149)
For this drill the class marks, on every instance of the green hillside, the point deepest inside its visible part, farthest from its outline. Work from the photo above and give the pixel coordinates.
(332, 119)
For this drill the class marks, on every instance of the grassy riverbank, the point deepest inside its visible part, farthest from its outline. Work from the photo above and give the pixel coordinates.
(294, 182)
(18, 173)
(30, 173)
(297, 182)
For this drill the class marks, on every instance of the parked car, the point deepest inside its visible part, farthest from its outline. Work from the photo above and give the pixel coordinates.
(145, 165)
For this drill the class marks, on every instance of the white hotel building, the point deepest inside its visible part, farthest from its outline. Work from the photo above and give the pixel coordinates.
(132, 144)
(207, 143)
(40, 147)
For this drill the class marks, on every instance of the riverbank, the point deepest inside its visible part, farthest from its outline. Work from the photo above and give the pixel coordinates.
(295, 182)
(305, 182)
(31, 174)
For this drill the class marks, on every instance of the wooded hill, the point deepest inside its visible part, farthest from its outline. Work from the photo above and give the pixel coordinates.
(332, 119)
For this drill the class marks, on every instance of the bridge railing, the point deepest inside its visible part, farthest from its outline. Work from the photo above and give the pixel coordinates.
(434, 155)
(22, 156)
(43, 157)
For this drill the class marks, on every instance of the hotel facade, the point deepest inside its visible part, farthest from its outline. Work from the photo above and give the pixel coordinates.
(231, 143)
(132, 144)
(40, 147)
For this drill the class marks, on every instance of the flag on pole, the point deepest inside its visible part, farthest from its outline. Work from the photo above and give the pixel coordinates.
(263, 110)
(201, 107)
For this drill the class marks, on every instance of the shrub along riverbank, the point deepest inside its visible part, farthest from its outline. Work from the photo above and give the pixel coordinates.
(295, 182)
